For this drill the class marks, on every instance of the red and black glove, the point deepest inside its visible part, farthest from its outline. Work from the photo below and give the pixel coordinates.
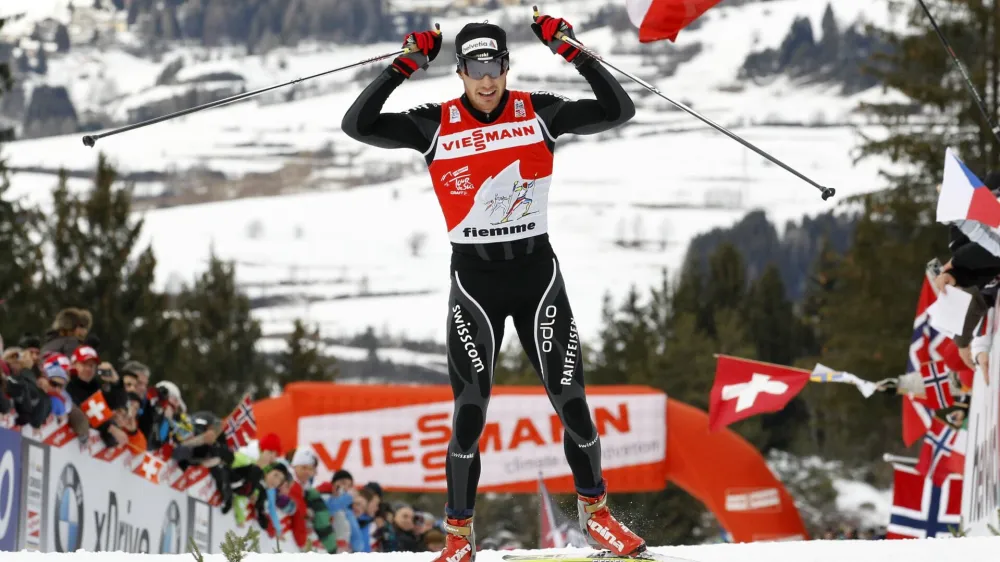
(423, 47)
(546, 28)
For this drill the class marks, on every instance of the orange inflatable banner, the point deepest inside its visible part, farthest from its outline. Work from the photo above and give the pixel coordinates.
(398, 436)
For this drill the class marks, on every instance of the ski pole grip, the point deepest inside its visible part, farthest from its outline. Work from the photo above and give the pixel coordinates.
(413, 49)
(559, 34)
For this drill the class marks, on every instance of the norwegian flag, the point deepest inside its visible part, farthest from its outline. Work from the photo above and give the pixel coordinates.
(937, 384)
(150, 467)
(241, 425)
(97, 410)
(926, 345)
(556, 532)
(920, 509)
(938, 456)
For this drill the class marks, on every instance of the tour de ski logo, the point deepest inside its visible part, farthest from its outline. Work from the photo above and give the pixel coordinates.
(68, 523)
(512, 205)
(170, 533)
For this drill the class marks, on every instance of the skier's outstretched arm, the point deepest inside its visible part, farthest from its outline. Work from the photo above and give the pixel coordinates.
(364, 120)
(612, 106)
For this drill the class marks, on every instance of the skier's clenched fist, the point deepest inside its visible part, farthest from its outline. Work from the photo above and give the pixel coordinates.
(422, 47)
(548, 28)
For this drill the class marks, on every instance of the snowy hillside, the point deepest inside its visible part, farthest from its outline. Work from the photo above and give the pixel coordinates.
(348, 254)
(916, 550)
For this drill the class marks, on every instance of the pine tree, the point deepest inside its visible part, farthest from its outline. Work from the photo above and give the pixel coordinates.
(219, 360)
(62, 38)
(771, 320)
(726, 284)
(918, 67)
(43, 61)
(21, 265)
(304, 359)
(98, 265)
(830, 43)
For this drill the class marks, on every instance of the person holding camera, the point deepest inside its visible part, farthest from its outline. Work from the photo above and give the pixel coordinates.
(91, 376)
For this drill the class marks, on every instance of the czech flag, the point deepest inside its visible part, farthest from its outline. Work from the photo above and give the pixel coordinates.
(664, 19)
(964, 197)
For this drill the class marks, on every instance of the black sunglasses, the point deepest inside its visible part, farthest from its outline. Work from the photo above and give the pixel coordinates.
(479, 69)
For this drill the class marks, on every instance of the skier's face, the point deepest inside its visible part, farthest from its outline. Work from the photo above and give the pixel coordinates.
(484, 90)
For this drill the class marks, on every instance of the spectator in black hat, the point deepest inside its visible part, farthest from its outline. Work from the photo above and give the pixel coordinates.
(31, 346)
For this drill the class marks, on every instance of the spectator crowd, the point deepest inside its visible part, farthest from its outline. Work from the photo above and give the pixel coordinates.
(61, 377)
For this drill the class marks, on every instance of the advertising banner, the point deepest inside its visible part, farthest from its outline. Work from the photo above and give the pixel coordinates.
(35, 491)
(981, 491)
(10, 488)
(405, 447)
(102, 506)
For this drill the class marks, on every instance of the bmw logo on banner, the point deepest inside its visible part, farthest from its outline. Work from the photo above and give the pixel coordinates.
(170, 533)
(68, 521)
(10, 469)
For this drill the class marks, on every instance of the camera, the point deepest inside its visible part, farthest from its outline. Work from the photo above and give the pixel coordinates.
(104, 373)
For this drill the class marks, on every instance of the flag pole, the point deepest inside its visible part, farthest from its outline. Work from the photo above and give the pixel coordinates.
(721, 355)
(888, 457)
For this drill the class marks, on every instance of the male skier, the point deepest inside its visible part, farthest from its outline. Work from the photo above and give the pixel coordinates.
(476, 147)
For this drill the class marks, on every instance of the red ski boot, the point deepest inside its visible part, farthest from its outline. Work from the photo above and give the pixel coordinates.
(604, 531)
(460, 544)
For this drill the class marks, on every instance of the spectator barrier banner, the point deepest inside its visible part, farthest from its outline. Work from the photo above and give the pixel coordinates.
(405, 447)
(10, 487)
(398, 436)
(981, 490)
(59, 496)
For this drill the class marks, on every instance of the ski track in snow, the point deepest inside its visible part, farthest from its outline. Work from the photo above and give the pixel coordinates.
(354, 244)
(914, 550)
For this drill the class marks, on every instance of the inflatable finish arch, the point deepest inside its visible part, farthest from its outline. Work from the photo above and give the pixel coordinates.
(398, 435)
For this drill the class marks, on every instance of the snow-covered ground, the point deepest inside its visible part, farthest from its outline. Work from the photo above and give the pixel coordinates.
(916, 550)
(656, 182)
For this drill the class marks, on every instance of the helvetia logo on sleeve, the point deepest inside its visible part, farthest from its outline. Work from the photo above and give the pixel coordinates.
(69, 519)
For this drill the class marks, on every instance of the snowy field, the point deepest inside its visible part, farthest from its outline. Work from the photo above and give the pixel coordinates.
(916, 550)
(343, 257)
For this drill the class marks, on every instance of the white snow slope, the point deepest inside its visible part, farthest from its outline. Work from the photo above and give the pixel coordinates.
(914, 550)
(661, 181)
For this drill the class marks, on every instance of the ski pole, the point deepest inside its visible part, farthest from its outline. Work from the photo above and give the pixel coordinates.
(90, 140)
(889, 457)
(994, 128)
(827, 192)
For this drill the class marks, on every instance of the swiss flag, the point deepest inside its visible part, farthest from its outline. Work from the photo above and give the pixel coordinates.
(920, 509)
(150, 467)
(664, 19)
(97, 410)
(745, 388)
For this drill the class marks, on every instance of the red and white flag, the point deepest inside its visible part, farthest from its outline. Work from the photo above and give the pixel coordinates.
(97, 410)
(556, 531)
(964, 196)
(940, 456)
(745, 388)
(150, 467)
(926, 345)
(664, 19)
(241, 425)
(920, 509)
(937, 385)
